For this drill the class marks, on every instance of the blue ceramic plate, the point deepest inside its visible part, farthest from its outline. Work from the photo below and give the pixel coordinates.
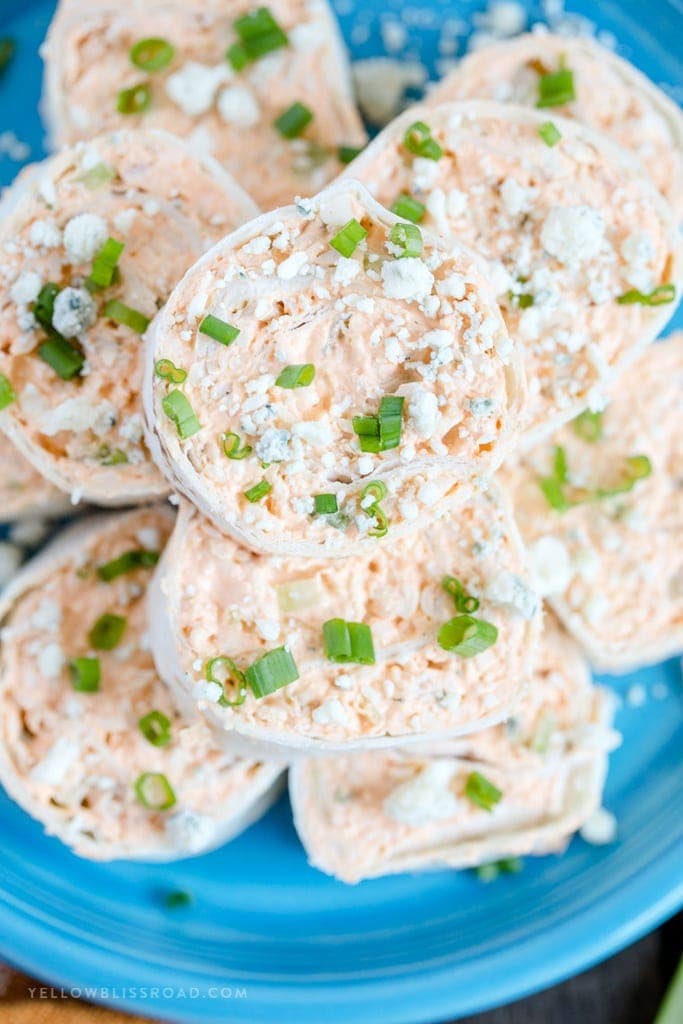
(268, 938)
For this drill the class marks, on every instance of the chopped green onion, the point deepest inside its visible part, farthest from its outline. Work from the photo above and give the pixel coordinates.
(258, 491)
(659, 296)
(348, 642)
(64, 358)
(7, 51)
(346, 154)
(237, 57)
(175, 900)
(481, 792)
(154, 791)
(556, 89)
(152, 54)
(299, 376)
(464, 602)
(85, 674)
(259, 33)
(180, 412)
(636, 467)
(98, 176)
(409, 208)
(271, 672)
(233, 447)
(129, 561)
(44, 307)
(223, 671)
(390, 421)
(553, 492)
(7, 392)
(367, 430)
(105, 264)
(107, 456)
(107, 632)
(382, 527)
(156, 728)
(549, 133)
(467, 636)
(490, 872)
(167, 370)
(347, 239)
(218, 329)
(408, 240)
(134, 100)
(325, 504)
(588, 426)
(123, 314)
(418, 140)
(376, 490)
(292, 122)
(521, 300)
(560, 468)
(561, 498)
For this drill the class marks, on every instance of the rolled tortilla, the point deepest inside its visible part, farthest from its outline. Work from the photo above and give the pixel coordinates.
(382, 813)
(357, 328)
(82, 427)
(72, 759)
(576, 238)
(221, 112)
(611, 564)
(610, 95)
(23, 491)
(242, 606)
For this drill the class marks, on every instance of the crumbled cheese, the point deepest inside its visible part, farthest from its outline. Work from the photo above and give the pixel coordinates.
(330, 712)
(273, 446)
(189, 832)
(551, 565)
(381, 84)
(149, 537)
(51, 660)
(346, 270)
(423, 409)
(365, 465)
(78, 413)
(268, 628)
(74, 311)
(426, 797)
(407, 278)
(639, 252)
(84, 236)
(194, 86)
(10, 560)
(26, 287)
(516, 198)
(314, 432)
(293, 265)
(238, 105)
(509, 590)
(600, 829)
(573, 234)
(45, 234)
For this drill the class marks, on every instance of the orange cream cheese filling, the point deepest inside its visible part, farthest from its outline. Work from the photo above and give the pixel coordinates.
(578, 78)
(601, 508)
(266, 90)
(582, 250)
(304, 654)
(520, 788)
(91, 243)
(92, 743)
(341, 376)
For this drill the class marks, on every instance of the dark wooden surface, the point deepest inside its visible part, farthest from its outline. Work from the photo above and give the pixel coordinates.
(627, 989)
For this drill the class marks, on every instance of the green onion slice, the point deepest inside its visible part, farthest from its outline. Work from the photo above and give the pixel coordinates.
(467, 636)
(325, 504)
(7, 51)
(259, 33)
(123, 314)
(481, 792)
(347, 239)
(271, 672)
(636, 467)
(409, 208)
(44, 307)
(292, 122)
(107, 632)
(65, 359)
(407, 238)
(588, 426)
(154, 791)
(296, 376)
(180, 412)
(390, 421)
(98, 176)
(178, 898)
(659, 296)
(107, 456)
(104, 266)
(85, 674)
(556, 89)
(258, 491)
(376, 490)
(7, 392)
(135, 100)
(348, 642)
(219, 330)
(156, 728)
(418, 140)
(549, 133)
(167, 370)
(464, 602)
(233, 447)
(346, 154)
(224, 672)
(237, 57)
(521, 300)
(490, 872)
(367, 430)
(152, 54)
(129, 561)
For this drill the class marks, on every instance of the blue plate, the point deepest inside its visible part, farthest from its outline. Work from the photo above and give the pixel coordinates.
(267, 937)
